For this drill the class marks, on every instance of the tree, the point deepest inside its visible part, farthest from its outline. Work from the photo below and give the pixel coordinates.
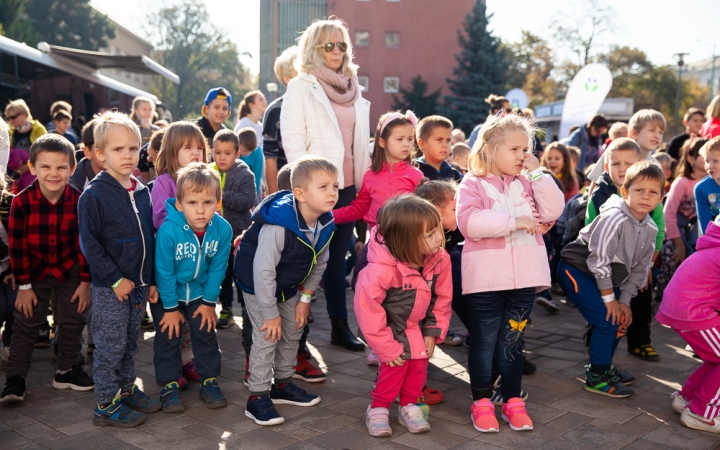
(531, 65)
(480, 71)
(581, 36)
(189, 45)
(414, 98)
(68, 23)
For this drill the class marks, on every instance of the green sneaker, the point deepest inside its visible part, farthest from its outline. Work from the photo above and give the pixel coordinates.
(606, 384)
(146, 323)
(226, 319)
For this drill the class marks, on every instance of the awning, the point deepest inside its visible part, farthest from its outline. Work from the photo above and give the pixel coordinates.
(99, 60)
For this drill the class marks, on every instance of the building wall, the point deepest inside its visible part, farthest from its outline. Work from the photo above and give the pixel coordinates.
(127, 43)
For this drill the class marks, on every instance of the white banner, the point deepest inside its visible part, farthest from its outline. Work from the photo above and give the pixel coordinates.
(584, 96)
(518, 98)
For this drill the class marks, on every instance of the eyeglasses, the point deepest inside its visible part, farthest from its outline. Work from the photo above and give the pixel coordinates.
(330, 46)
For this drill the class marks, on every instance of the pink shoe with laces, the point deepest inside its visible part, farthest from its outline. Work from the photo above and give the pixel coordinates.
(482, 413)
(515, 414)
(189, 371)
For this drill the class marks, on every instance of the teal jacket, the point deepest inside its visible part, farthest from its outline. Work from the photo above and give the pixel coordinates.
(186, 270)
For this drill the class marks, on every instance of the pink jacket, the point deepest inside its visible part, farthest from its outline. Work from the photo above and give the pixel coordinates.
(376, 189)
(396, 306)
(711, 128)
(692, 298)
(496, 256)
(681, 198)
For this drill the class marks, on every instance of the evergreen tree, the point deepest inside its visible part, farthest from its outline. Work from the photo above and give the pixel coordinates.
(480, 71)
(414, 98)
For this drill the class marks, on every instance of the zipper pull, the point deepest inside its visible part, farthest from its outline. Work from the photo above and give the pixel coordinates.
(132, 200)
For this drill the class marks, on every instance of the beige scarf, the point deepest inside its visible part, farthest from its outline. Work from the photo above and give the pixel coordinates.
(334, 83)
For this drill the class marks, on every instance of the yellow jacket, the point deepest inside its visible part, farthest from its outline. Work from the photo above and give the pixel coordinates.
(37, 130)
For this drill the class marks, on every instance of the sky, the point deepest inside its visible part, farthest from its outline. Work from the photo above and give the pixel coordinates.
(660, 28)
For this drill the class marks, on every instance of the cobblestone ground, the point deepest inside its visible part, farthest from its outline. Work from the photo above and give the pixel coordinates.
(565, 416)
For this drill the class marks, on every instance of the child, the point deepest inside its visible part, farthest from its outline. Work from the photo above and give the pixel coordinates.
(18, 169)
(192, 248)
(251, 110)
(45, 256)
(8, 290)
(575, 158)
(667, 164)
(402, 304)
(286, 245)
(498, 211)
(707, 190)
(557, 158)
(117, 233)
(89, 166)
(693, 121)
(143, 110)
(216, 109)
(691, 306)
(148, 156)
(460, 154)
(611, 258)
(238, 198)
(251, 155)
(434, 134)
(62, 121)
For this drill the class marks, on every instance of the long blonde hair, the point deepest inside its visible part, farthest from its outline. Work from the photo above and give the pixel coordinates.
(492, 134)
(310, 46)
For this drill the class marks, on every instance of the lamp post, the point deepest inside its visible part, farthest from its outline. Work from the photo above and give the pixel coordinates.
(681, 63)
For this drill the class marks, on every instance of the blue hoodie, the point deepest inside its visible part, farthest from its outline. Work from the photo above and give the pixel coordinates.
(184, 269)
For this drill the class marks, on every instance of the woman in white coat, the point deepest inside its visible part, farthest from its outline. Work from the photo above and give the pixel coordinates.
(324, 114)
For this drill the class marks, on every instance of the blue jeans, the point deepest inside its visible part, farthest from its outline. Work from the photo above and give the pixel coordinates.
(168, 363)
(498, 320)
(334, 277)
(583, 291)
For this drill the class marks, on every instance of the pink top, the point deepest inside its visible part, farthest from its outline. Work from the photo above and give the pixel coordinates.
(711, 128)
(680, 199)
(346, 119)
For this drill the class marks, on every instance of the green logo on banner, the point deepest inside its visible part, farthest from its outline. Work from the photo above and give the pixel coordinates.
(591, 85)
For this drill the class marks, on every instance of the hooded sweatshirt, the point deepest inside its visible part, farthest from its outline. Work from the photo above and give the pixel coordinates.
(187, 269)
(615, 249)
(692, 298)
(238, 195)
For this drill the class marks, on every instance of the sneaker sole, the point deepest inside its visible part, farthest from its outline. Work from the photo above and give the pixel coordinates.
(74, 387)
(606, 394)
(695, 424)
(549, 307)
(156, 408)
(385, 433)
(421, 430)
(490, 430)
(174, 409)
(281, 401)
(309, 380)
(276, 421)
(216, 405)
(110, 423)
(513, 427)
(12, 398)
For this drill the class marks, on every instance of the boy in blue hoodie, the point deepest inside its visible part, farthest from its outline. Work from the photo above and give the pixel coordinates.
(286, 245)
(192, 248)
(116, 234)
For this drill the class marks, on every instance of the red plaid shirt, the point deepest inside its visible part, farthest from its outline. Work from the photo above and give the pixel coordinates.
(44, 238)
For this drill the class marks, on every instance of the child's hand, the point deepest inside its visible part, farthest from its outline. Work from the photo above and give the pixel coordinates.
(397, 362)
(614, 312)
(171, 321)
(302, 310)
(649, 282)
(626, 313)
(530, 162)
(10, 279)
(430, 345)
(359, 245)
(208, 316)
(152, 294)
(680, 252)
(526, 223)
(545, 227)
(82, 294)
(25, 301)
(124, 289)
(274, 329)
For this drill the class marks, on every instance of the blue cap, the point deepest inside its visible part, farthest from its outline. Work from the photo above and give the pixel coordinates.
(220, 93)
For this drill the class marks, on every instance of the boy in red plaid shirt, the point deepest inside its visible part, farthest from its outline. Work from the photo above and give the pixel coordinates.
(45, 255)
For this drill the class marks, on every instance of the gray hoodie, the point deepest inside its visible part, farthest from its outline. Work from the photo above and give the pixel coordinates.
(616, 249)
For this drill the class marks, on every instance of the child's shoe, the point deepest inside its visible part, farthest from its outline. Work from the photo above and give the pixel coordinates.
(378, 422)
(137, 400)
(679, 402)
(696, 422)
(76, 379)
(43, 339)
(625, 378)
(262, 410)
(146, 323)
(291, 394)
(606, 384)
(482, 413)
(412, 418)
(170, 397)
(304, 370)
(431, 396)
(515, 414)
(210, 392)
(117, 414)
(547, 303)
(372, 359)
(453, 339)
(497, 398)
(645, 352)
(14, 390)
(225, 320)
(189, 371)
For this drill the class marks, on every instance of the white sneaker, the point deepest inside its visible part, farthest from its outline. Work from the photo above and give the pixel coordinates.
(692, 420)
(548, 304)
(377, 421)
(412, 418)
(5, 352)
(679, 402)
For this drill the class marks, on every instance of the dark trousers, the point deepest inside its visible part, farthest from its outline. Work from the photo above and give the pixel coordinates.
(7, 311)
(638, 333)
(459, 302)
(167, 359)
(70, 325)
(498, 320)
(335, 273)
(226, 292)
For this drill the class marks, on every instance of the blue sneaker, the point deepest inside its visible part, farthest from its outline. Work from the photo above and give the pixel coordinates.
(117, 414)
(291, 394)
(262, 410)
(138, 401)
(210, 392)
(170, 397)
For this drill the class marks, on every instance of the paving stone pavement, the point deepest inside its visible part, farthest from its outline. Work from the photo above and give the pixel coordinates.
(565, 416)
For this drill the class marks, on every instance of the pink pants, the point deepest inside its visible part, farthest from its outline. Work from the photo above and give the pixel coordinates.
(407, 381)
(702, 387)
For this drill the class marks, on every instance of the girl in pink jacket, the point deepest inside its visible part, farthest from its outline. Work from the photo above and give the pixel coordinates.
(402, 305)
(504, 260)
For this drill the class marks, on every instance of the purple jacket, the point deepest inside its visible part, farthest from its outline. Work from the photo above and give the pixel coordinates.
(163, 189)
(692, 298)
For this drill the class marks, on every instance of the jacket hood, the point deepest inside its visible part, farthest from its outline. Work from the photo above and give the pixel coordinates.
(280, 209)
(711, 238)
(379, 254)
(106, 178)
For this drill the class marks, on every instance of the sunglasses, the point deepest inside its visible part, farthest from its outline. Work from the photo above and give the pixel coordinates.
(330, 46)
(15, 116)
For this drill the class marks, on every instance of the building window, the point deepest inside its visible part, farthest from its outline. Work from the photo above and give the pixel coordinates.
(114, 97)
(392, 39)
(362, 38)
(364, 82)
(391, 85)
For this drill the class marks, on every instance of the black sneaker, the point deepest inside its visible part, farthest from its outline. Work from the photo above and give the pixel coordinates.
(262, 410)
(210, 392)
(291, 394)
(138, 401)
(43, 339)
(225, 320)
(528, 367)
(606, 384)
(625, 378)
(14, 390)
(76, 379)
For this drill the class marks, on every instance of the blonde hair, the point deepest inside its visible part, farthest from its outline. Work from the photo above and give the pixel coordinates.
(107, 120)
(197, 177)
(713, 145)
(616, 128)
(644, 117)
(285, 64)
(20, 106)
(310, 46)
(460, 149)
(177, 135)
(304, 168)
(713, 109)
(492, 134)
(621, 144)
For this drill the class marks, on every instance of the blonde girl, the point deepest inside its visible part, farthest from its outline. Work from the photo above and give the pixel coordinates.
(143, 112)
(557, 158)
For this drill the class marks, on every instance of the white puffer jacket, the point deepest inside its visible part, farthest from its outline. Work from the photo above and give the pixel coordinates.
(309, 127)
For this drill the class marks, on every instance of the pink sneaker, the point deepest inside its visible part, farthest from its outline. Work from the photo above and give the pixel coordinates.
(514, 413)
(189, 371)
(182, 383)
(482, 413)
(378, 422)
(372, 359)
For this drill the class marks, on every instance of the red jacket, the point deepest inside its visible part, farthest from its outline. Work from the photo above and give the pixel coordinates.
(711, 128)
(396, 306)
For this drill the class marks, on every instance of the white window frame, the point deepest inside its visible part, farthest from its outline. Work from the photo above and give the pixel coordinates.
(357, 44)
(391, 90)
(366, 83)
